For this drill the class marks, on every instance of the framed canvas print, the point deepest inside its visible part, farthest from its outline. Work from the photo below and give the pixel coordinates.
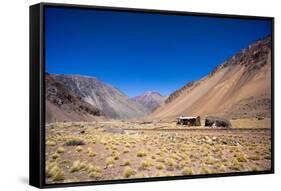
(127, 95)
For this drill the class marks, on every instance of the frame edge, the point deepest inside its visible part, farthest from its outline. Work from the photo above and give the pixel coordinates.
(35, 178)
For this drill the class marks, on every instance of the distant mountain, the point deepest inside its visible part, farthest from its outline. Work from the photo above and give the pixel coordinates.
(111, 101)
(150, 100)
(64, 105)
(238, 88)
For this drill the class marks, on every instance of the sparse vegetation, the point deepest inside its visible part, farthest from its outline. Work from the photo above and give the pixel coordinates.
(146, 164)
(55, 156)
(76, 166)
(52, 170)
(94, 171)
(127, 163)
(128, 171)
(170, 163)
(50, 143)
(160, 166)
(142, 153)
(59, 175)
(187, 171)
(205, 170)
(110, 161)
(254, 157)
(92, 154)
(95, 175)
(79, 148)
(126, 150)
(240, 157)
(60, 150)
(96, 154)
(115, 155)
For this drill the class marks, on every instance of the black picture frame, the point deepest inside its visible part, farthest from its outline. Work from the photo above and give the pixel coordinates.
(37, 95)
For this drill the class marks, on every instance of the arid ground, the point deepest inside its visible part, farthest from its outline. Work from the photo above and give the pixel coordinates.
(117, 149)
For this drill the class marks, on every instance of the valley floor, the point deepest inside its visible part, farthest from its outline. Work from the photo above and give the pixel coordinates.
(109, 150)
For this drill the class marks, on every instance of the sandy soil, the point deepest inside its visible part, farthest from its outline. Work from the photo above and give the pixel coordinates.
(109, 150)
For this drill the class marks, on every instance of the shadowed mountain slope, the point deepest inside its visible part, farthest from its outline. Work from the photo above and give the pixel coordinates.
(64, 105)
(111, 101)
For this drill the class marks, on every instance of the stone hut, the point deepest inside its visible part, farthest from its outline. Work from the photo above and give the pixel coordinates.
(189, 120)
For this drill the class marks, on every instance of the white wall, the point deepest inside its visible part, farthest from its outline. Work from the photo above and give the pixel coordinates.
(14, 39)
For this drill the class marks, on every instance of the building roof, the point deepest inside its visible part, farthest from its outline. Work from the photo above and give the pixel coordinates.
(187, 117)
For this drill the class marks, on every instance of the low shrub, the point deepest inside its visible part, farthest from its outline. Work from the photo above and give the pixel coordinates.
(109, 161)
(145, 165)
(141, 153)
(187, 171)
(128, 171)
(79, 148)
(76, 166)
(60, 150)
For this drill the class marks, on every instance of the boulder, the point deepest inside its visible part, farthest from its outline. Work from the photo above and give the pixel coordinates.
(217, 122)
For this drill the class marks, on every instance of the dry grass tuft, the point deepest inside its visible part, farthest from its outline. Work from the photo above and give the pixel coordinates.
(55, 156)
(52, 170)
(115, 155)
(59, 175)
(127, 163)
(240, 157)
(126, 150)
(160, 166)
(50, 143)
(142, 153)
(109, 161)
(254, 157)
(79, 148)
(187, 171)
(95, 175)
(235, 165)
(91, 154)
(146, 164)
(170, 163)
(205, 170)
(128, 171)
(76, 166)
(94, 171)
(60, 150)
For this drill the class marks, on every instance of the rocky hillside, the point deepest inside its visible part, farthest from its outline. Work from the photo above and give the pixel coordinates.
(64, 105)
(238, 88)
(112, 102)
(150, 100)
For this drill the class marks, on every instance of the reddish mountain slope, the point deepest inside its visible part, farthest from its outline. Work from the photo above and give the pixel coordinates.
(238, 88)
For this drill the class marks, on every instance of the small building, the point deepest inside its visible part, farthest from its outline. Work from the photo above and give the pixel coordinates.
(189, 121)
(214, 122)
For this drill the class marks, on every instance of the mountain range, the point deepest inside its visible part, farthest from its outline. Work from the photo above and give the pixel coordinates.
(88, 91)
(238, 88)
(150, 100)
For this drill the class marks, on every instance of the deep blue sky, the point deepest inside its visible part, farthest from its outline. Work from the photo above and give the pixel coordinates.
(139, 52)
